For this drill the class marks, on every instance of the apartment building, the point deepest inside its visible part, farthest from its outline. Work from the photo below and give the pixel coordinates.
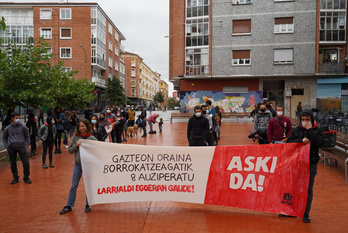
(142, 83)
(238, 52)
(80, 34)
(165, 92)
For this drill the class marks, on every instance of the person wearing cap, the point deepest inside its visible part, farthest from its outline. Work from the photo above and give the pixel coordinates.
(309, 132)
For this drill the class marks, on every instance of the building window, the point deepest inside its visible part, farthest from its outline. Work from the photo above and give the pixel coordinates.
(240, 57)
(46, 13)
(133, 82)
(110, 45)
(65, 13)
(283, 56)
(48, 52)
(197, 61)
(110, 28)
(110, 62)
(197, 32)
(116, 66)
(241, 26)
(116, 35)
(133, 73)
(46, 33)
(196, 8)
(332, 26)
(333, 4)
(65, 33)
(133, 62)
(237, 2)
(116, 51)
(67, 69)
(133, 92)
(65, 53)
(284, 25)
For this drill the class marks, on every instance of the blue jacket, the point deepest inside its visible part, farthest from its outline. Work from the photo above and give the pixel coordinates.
(59, 125)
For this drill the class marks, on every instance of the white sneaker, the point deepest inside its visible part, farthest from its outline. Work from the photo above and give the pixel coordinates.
(66, 146)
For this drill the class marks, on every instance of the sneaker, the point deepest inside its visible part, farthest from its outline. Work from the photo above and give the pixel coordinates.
(51, 165)
(65, 210)
(144, 136)
(56, 151)
(44, 166)
(59, 151)
(306, 218)
(27, 181)
(14, 181)
(88, 209)
(66, 146)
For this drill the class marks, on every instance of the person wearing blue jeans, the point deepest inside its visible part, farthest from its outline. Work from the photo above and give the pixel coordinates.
(83, 131)
(152, 120)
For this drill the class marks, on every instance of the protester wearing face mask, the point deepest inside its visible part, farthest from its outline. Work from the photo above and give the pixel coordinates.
(131, 116)
(261, 124)
(98, 130)
(270, 109)
(112, 118)
(108, 126)
(306, 132)
(16, 140)
(198, 128)
(119, 127)
(279, 127)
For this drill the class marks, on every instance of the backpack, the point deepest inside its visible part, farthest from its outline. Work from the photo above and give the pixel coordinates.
(139, 122)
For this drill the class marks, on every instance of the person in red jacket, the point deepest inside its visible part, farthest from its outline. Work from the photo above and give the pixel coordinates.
(279, 127)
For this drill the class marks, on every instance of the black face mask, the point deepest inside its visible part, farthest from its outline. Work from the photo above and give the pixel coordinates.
(101, 119)
(204, 112)
(268, 106)
(263, 110)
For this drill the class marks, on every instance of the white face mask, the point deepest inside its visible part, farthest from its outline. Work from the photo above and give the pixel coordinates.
(306, 123)
(108, 111)
(17, 121)
(280, 113)
(198, 114)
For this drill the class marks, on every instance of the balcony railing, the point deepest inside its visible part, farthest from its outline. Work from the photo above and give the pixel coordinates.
(19, 20)
(332, 67)
(122, 49)
(99, 81)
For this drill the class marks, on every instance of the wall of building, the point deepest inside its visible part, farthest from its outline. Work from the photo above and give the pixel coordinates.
(217, 84)
(263, 40)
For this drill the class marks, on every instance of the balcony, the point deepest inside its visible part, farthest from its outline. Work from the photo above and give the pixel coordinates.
(19, 20)
(122, 49)
(99, 82)
(332, 67)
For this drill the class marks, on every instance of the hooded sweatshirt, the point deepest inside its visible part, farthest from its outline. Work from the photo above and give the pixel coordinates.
(315, 136)
(16, 136)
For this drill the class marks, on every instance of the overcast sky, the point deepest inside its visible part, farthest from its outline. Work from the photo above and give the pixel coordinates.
(144, 23)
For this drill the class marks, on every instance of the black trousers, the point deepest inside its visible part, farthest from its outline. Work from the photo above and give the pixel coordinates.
(40, 119)
(196, 142)
(119, 135)
(113, 135)
(313, 173)
(33, 143)
(24, 158)
(45, 146)
(58, 139)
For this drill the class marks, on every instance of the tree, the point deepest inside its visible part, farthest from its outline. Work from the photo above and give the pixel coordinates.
(173, 103)
(114, 92)
(28, 78)
(158, 98)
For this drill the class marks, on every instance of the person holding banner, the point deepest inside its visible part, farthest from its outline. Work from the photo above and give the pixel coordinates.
(83, 131)
(198, 128)
(306, 132)
(261, 124)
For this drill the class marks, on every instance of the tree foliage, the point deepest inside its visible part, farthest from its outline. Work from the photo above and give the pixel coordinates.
(173, 103)
(158, 98)
(114, 92)
(28, 78)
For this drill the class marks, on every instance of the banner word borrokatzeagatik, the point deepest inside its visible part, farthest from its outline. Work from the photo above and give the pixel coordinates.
(270, 178)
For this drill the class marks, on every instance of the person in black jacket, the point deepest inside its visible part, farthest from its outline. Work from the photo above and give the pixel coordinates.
(198, 128)
(31, 124)
(143, 118)
(306, 132)
(98, 130)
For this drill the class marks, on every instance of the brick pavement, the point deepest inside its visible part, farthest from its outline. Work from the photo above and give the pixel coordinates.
(35, 207)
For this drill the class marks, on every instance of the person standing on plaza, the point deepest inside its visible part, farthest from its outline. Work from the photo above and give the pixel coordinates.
(16, 140)
(119, 126)
(110, 116)
(73, 122)
(59, 120)
(47, 134)
(279, 127)
(7, 121)
(143, 119)
(218, 126)
(98, 130)
(31, 124)
(83, 131)
(125, 124)
(131, 116)
(261, 124)
(108, 126)
(270, 109)
(160, 125)
(299, 110)
(309, 132)
(67, 128)
(210, 108)
(198, 128)
(152, 120)
(41, 116)
(206, 114)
